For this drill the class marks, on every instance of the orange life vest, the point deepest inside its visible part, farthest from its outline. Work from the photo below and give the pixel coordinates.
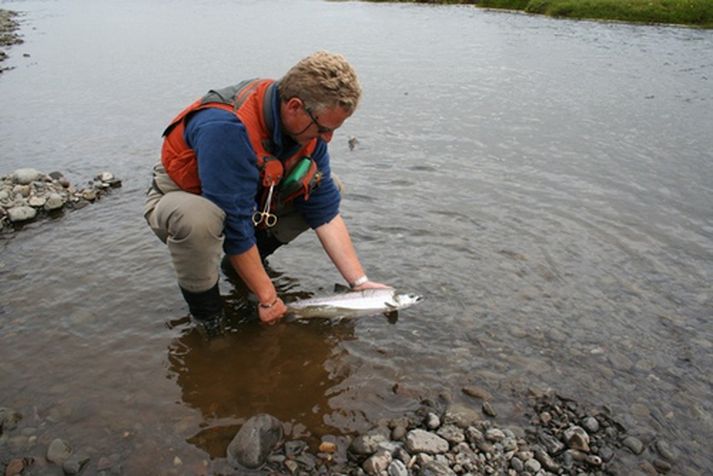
(251, 102)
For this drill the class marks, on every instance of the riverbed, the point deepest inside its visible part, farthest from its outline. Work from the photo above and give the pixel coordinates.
(544, 184)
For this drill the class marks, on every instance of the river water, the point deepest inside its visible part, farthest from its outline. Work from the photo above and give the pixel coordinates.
(545, 184)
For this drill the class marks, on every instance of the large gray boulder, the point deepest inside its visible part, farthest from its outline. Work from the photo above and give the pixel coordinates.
(257, 438)
(26, 176)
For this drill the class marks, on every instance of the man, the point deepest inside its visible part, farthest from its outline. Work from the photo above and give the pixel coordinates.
(244, 170)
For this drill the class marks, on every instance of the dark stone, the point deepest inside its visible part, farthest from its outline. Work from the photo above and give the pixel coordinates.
(256, 439)
(8, 419)
(75, 463)
(294, 448)
(606, 453)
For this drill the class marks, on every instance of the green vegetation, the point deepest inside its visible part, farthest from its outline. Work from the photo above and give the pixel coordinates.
(698, 13)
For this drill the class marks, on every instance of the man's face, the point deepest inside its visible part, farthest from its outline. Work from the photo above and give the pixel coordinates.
(303, 124)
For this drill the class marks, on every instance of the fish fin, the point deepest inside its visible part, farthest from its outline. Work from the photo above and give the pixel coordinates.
(340, 288)
(391, 307)
(392, 316)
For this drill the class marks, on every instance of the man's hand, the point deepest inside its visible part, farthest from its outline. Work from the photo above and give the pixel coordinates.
(270, 313)
(371, 285)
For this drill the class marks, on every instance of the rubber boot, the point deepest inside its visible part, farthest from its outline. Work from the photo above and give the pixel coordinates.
(206, 308)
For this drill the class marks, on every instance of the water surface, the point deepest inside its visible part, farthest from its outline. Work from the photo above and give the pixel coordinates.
(545, 184)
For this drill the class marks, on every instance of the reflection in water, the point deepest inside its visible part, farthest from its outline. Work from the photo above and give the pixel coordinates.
(283, 370)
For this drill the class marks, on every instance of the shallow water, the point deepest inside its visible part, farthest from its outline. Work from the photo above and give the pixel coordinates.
(545, 184)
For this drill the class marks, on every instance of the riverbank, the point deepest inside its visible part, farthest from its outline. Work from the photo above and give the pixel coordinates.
(693, 13)
(8, 33)
(440, 438)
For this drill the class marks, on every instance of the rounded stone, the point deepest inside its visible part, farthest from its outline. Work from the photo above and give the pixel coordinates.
(22, 213)
(26, 176)
(634, 444)
(421, 441)
(532, 465)
(54, 201)
(253, 443)
(591, 424)
(59, 451)
(37, 201)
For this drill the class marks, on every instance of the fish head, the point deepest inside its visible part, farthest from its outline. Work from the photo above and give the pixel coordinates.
(406, 300)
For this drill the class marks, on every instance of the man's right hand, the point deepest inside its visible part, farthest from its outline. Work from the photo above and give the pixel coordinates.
(270, 313)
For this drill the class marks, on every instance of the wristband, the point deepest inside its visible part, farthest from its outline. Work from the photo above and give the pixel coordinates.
(359, 281)
(268, 306)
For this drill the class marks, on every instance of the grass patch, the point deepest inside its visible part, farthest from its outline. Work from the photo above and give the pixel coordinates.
(684, 12)
(697, 13)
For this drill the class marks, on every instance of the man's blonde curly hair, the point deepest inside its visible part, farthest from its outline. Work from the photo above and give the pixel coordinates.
(322, 81)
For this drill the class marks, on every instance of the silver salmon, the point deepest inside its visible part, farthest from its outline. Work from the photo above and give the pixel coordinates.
(368, 302)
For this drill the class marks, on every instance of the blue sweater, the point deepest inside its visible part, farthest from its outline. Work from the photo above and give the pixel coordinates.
(227, 168)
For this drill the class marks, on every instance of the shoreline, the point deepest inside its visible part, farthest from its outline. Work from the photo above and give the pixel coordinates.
(692, 14)
(440, 438)
(8, 33)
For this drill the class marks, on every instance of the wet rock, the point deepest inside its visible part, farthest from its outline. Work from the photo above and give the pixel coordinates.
(552, 444)
(620, 361)
(59, 451)
(28, 189)
(8, 419)
(75, 463)
(422, 441)
(54, 202)
(368, 444)
(17, 465)
(494, 434)
(489, 410)
(665, 450)
(36, 201)
(532, 465)
(377, 462)
(662, 465)
(436, 468)
(89, 195)
(591, 424)
(633, 444)
(432, 421)
(327, 447)
(294, 448)
(398, 433)
(397, 468)
(517, 464)
(26, 176)
(546, 460)
(451, 433)
(461, 416)
(606, 453)
(576, 438)
(253, 443)
(477, 392)
(20, 214)
(105, 177)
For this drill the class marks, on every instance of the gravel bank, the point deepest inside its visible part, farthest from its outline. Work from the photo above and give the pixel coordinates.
(562, 437)
(28, 194)
(8, 33)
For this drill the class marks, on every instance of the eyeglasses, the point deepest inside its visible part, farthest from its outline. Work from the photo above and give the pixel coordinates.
(320, 128)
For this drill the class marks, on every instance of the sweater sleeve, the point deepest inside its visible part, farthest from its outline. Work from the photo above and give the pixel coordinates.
(228, 172)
